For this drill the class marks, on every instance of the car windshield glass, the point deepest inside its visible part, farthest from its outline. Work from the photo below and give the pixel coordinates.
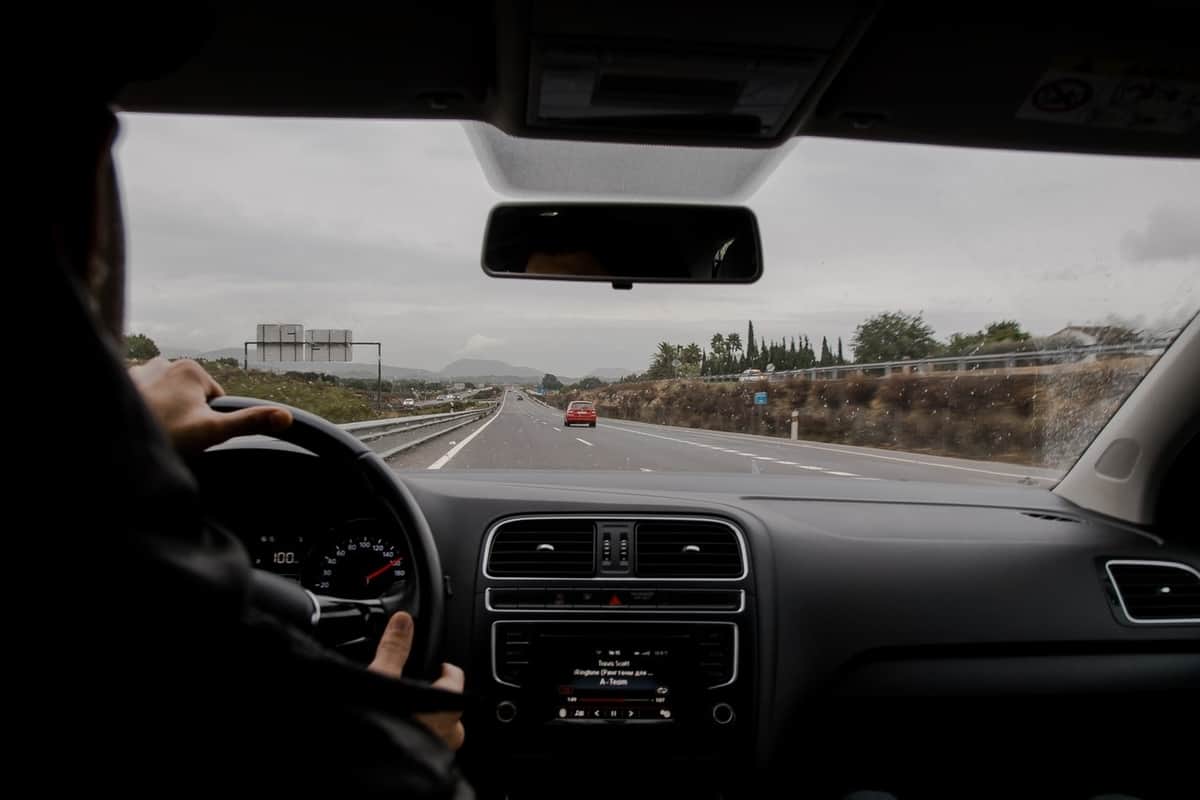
(925, 313)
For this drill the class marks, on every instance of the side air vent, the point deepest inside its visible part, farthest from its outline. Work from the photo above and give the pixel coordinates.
(1050, 516)
(543, 548)
(1156, 591)
(688, 549)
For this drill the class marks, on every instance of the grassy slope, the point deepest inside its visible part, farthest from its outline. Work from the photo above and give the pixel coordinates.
(1041, 417)
(334, 403)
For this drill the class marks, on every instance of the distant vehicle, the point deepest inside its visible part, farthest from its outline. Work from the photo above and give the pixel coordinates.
(752, 375)
(520, 398)
(409, 402)
(580, 412)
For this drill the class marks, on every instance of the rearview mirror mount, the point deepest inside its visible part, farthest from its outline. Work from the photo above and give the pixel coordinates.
(623, 243)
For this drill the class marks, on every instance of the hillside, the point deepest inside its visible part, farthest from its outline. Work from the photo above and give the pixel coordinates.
(472, 367)
(334, 403)
(1037, 417)
(480, 370)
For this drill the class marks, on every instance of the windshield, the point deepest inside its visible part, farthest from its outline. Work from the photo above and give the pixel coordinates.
(925, 313)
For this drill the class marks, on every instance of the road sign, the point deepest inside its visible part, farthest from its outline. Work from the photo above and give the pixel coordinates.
(760, 398)
(770, 367)
(280, 342)
(329, 344)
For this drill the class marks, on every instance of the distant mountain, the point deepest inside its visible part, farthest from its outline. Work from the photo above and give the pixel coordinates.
(609, 373)
(211, 355)
(478, 367)
(480, 370)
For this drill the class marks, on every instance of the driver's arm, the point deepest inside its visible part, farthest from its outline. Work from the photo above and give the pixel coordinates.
(177, 393)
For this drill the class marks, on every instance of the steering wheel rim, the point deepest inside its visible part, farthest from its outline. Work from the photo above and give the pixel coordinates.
(326, 440)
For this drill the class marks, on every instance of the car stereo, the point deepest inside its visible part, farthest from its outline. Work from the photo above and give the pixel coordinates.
(605, 673)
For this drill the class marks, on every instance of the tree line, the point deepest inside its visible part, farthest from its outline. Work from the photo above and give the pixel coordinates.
(889, 336)
(730, 352)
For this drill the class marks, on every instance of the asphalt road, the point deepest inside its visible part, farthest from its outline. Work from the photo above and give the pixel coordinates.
(525, 434)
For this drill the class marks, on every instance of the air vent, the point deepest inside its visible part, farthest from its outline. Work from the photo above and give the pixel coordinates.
(1156, 591)
(1051, 517)
(543, 548)
(687, 549)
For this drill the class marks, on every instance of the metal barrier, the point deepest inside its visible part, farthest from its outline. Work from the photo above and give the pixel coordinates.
(375, 432)
(947, 363)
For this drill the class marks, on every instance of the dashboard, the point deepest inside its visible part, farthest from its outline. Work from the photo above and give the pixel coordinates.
(720, 633)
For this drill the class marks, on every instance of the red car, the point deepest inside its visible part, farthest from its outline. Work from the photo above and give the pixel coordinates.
(580, 412)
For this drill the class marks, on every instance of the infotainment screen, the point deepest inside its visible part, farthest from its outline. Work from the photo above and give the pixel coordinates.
(615, 678)
(614, 673)
(618, 680)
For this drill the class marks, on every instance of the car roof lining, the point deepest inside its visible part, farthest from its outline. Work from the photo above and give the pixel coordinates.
(910, 74)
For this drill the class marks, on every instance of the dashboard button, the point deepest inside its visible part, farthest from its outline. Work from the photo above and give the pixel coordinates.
(586, 598)
(559, 598)
(506, 711)
(643, 598)
(532, 598)
(722, 714)
(504, 598)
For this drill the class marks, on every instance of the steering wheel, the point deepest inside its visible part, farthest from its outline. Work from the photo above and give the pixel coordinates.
(333, 619)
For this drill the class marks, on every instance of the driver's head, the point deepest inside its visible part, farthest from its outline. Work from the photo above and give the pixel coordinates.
(87, 229)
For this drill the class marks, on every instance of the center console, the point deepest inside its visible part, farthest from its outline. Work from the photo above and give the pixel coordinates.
(629, 636)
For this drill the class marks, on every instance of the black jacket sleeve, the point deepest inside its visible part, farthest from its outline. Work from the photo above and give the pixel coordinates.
(153, 674)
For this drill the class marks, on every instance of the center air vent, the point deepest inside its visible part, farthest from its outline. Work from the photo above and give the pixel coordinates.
(1156, 591)
(688, 549)
(543, 548)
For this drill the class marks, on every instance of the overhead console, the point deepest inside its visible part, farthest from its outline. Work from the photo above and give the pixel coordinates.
(637, 71)
(632, 632)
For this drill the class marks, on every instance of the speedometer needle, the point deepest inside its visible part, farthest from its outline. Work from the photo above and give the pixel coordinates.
(383, 569)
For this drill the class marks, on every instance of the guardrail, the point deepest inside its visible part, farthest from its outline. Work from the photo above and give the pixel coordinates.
(374, 432)
(948, 363)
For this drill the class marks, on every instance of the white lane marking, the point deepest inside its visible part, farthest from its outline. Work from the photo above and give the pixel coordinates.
(453, 451)
(863, 478)
(645, 469)
(747, 455)
(854, 452)
(583, 441)
(558, 429)
(843, 474)
(806, 466)
(762, 458)
(790, 463)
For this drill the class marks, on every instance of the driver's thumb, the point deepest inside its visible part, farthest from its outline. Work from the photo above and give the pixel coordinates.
(392, 653)
(251, 421)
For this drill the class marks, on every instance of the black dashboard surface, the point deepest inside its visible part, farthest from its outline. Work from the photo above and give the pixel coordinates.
(867, 595)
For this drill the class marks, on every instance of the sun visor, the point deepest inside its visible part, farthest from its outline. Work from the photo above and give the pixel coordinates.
(519, 167)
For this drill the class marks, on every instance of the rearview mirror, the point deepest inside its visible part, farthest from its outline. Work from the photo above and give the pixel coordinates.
(623, 243)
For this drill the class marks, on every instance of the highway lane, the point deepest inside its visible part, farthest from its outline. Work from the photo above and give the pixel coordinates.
(525, 434)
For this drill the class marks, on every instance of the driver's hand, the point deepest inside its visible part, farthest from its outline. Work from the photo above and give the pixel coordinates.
(177, 393)
(390, 657)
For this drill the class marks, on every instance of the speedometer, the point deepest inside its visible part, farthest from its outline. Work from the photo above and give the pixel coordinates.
(358, 563)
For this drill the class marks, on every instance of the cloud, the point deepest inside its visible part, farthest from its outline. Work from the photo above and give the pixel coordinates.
(1171, 234)
(478, 343)
(376, 226)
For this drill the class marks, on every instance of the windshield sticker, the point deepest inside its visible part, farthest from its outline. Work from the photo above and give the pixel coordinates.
(1114, 95)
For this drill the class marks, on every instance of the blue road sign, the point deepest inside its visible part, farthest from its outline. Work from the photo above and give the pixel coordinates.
(760, 398)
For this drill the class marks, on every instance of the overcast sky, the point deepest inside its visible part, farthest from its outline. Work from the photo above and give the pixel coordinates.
(376, 226)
